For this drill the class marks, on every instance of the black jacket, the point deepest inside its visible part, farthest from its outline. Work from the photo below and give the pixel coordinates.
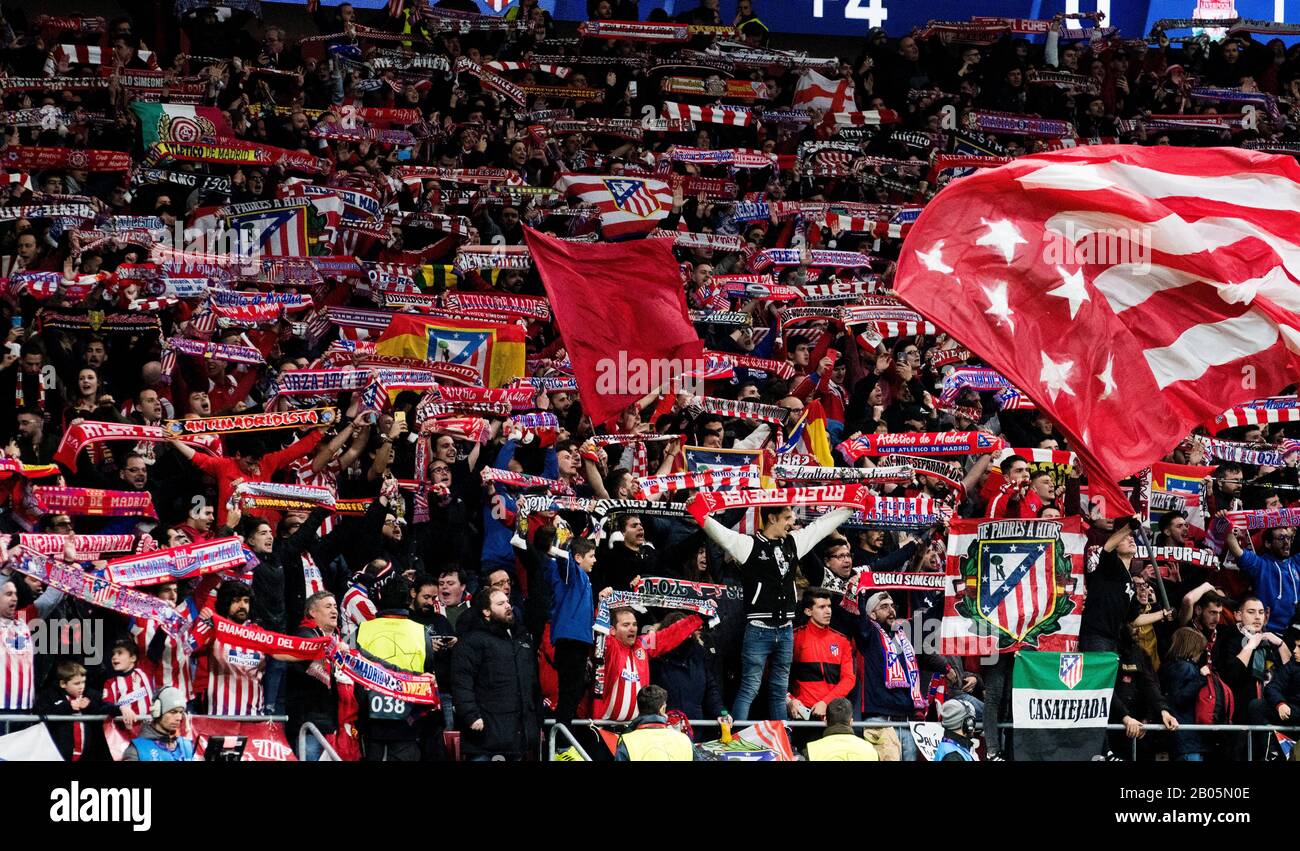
(1246, 684)
(290, 552)
(436, 624)
(494, 679)
(688, 675)
(1137, 692)
(53, 701)
(1285, 686)
(306, 697)
(877, 698)
(618, 565)
(769, 574)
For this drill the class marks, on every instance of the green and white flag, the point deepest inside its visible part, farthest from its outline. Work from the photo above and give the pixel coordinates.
(171, 122)
(1061, 704)
(1062, 690)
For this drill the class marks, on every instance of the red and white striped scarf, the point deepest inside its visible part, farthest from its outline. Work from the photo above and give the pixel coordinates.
(473, 429)
(561, 71)
(1277, 409)
(745, 476)
(734, 116)
(84, 54)
(511, 479)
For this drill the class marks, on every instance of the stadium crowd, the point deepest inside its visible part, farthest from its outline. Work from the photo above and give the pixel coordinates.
(447, 135)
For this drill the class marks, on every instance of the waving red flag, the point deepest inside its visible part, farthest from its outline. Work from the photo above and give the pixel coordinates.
(621, 309)
(1134, 293)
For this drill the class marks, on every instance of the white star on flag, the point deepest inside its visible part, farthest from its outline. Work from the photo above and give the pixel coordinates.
(1054, 376)
(1107, 378)
(1003, 236)
(998, 304)
(934, 260)
(1072, 289)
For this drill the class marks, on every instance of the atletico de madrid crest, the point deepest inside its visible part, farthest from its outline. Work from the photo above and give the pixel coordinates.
(1016, 573)
(1071, 671)
(631, 196)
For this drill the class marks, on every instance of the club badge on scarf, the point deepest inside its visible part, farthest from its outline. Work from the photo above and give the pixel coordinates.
(73, 581)
(176, 564)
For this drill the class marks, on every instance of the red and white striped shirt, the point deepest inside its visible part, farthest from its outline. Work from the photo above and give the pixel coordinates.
(17, 661)
(132, 689)
(627, 669)
(327, 478)
(173, 669)
(357, 609)
(234, 680)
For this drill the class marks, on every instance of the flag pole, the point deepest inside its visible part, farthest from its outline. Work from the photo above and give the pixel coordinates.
(1140, 538)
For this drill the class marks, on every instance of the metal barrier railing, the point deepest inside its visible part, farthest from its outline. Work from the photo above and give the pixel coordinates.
(328, 754)
(1245, 729)
(557, 727)
(30, 718)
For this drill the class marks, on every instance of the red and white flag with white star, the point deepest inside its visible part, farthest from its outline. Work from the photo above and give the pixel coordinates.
(1133, 293)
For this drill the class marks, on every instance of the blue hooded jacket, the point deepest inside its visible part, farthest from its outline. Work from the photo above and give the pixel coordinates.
(1276, 583)
(572, 610)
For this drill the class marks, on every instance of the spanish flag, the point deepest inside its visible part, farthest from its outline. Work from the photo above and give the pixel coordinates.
(809, 436)
(495, 352)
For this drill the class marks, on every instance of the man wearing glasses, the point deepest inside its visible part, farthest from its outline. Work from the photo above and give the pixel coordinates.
(1275, 574)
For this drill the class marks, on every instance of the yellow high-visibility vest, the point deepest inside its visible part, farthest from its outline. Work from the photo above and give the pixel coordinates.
(398, 641)
(658, 744)
(841, 747)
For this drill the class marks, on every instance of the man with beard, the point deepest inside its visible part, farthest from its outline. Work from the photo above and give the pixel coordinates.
(1275, 573)
(425, 608)
(891, 688)
(234, 674)
(391, 728)
(494, 683)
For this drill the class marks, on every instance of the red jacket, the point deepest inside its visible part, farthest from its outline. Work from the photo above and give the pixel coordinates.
(227, 473)
(1008, 504)
(822, 669)
(627, 669)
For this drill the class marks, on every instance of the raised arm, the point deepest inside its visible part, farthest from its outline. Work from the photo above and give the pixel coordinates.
(325, 451)
(273, 461)
(1190, 599)
(662, 641)
(187, 452)
(737, 545)
(810, 536)
(45, 603)
(1120, 533)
